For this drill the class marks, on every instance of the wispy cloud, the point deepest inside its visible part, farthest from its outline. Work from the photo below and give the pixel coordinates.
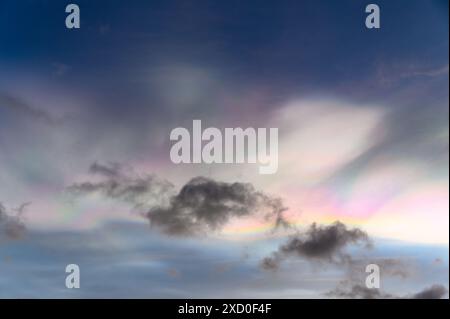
(16, 104)
(11, 222)
(122, 183)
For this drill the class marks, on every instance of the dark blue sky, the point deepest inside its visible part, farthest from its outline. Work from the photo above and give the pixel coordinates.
(285, 44)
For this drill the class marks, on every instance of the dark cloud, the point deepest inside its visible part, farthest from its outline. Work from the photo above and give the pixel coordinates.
(324, 241)
(112, 170)
(11, 223)
(270, 263)
(433, 292)
(358, 291)
(120, 182)
(320, 243)
(204, 205)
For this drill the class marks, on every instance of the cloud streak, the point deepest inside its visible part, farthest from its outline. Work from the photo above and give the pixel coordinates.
(358, 291)
(15, 104)
(122, 183)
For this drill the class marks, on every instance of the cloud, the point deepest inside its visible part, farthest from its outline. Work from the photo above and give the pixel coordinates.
(442, 70)
(433, 292)
(122, 183)
(317, 129)
(112, 170)
(15, 104)
(12, 225)
(394, 75)
(358, 291)
(204, 205)
(271, 263)
(319, 243)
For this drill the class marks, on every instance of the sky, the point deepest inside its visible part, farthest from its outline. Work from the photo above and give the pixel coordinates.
(86, 176)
